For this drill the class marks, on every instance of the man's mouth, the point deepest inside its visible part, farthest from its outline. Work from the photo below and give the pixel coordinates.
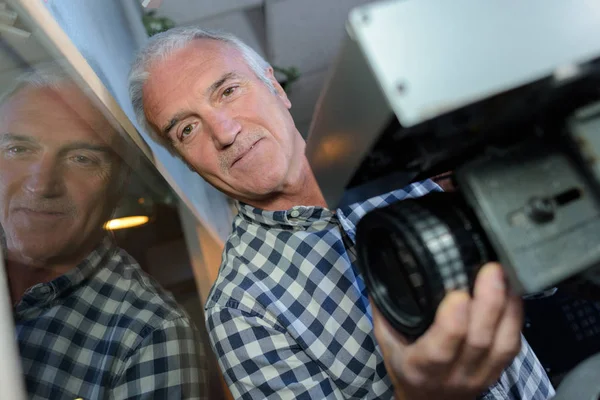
(41, 213)
(238, 158)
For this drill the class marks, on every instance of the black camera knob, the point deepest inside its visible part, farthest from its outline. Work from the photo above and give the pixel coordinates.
(540, 210)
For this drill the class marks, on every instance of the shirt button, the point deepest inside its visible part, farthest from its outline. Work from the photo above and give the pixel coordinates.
(295, 213)
(44, 290)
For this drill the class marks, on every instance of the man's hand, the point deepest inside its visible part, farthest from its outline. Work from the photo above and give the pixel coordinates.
(466, 348)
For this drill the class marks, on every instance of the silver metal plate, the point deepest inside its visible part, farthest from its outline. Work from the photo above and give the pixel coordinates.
(431, 56)
(418, 59)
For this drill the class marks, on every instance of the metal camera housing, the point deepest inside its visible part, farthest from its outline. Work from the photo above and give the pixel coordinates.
(505, 94)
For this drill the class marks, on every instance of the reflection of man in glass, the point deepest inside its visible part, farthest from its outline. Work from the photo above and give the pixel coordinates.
(90, 323)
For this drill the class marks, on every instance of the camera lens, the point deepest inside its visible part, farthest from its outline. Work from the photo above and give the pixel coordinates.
(412, 252)
(400, 298)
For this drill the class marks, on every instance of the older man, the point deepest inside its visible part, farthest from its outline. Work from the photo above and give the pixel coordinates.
(288, 314)
(90, 324)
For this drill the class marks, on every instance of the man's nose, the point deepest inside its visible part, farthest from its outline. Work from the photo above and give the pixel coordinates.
(44, 178)
(224, 128)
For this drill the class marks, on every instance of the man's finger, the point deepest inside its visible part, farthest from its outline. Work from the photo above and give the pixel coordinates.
(487, 309)
(508, 339)
(391, 344)
(433, 353)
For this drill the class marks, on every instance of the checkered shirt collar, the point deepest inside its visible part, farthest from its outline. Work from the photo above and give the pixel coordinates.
(285, 219)
(85, 268)
(43, 293)
(347, 216)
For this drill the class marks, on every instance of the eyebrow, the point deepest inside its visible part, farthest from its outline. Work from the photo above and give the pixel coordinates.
(215, 86)
(87, 146)
(209, 91)
(176, 118)
(11, 137)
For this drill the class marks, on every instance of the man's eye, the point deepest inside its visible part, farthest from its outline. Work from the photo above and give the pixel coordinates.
(15, 150)
(229, 91)
(187, 130)
(83, 160)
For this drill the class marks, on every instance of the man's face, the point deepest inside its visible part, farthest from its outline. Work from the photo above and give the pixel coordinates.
(55, 173)
(224, 121)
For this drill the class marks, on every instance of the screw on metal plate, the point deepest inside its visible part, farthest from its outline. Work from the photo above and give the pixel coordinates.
(401, 87)
(540, 210)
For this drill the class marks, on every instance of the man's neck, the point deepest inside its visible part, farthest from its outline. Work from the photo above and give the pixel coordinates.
(21, 276)
(23, 273)
(302, 191)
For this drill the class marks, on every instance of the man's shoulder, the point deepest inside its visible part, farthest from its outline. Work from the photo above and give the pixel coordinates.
(415, 189)
(247, 259)
(135, 296)
(236, 281)
(268, 272)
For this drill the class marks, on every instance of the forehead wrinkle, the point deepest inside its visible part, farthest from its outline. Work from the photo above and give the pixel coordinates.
(192, 60)
(164, 67)
(56, 108)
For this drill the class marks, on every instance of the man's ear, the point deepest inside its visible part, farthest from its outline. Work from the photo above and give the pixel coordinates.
(278, 89)
(118, 189)
(119, 185)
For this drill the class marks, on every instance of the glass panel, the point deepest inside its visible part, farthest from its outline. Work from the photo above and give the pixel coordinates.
(90, 234)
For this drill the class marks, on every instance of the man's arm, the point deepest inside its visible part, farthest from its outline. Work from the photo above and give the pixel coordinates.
(166, 365)
(261, 361)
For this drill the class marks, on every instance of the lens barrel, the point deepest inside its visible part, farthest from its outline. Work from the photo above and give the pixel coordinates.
(413, 252)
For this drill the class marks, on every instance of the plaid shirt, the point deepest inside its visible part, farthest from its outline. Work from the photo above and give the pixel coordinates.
(105, 330)
(289, 317)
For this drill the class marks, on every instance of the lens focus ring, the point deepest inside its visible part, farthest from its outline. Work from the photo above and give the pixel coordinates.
(413, 252)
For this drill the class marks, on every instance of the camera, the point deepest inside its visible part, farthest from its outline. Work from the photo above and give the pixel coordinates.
(506, 97)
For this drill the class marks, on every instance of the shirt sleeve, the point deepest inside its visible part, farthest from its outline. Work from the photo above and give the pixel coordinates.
(261, 361)
(524, 378)
(168, 364)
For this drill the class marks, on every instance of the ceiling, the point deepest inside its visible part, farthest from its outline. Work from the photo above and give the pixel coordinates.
(305, 34)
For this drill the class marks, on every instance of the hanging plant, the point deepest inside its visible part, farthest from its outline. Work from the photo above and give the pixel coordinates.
(154, 24)
(290, 75)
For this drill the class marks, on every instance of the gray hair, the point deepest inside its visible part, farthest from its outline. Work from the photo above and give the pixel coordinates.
(47, 75)
(161, 46)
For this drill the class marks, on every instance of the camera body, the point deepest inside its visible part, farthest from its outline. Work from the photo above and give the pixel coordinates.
(505, 95)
